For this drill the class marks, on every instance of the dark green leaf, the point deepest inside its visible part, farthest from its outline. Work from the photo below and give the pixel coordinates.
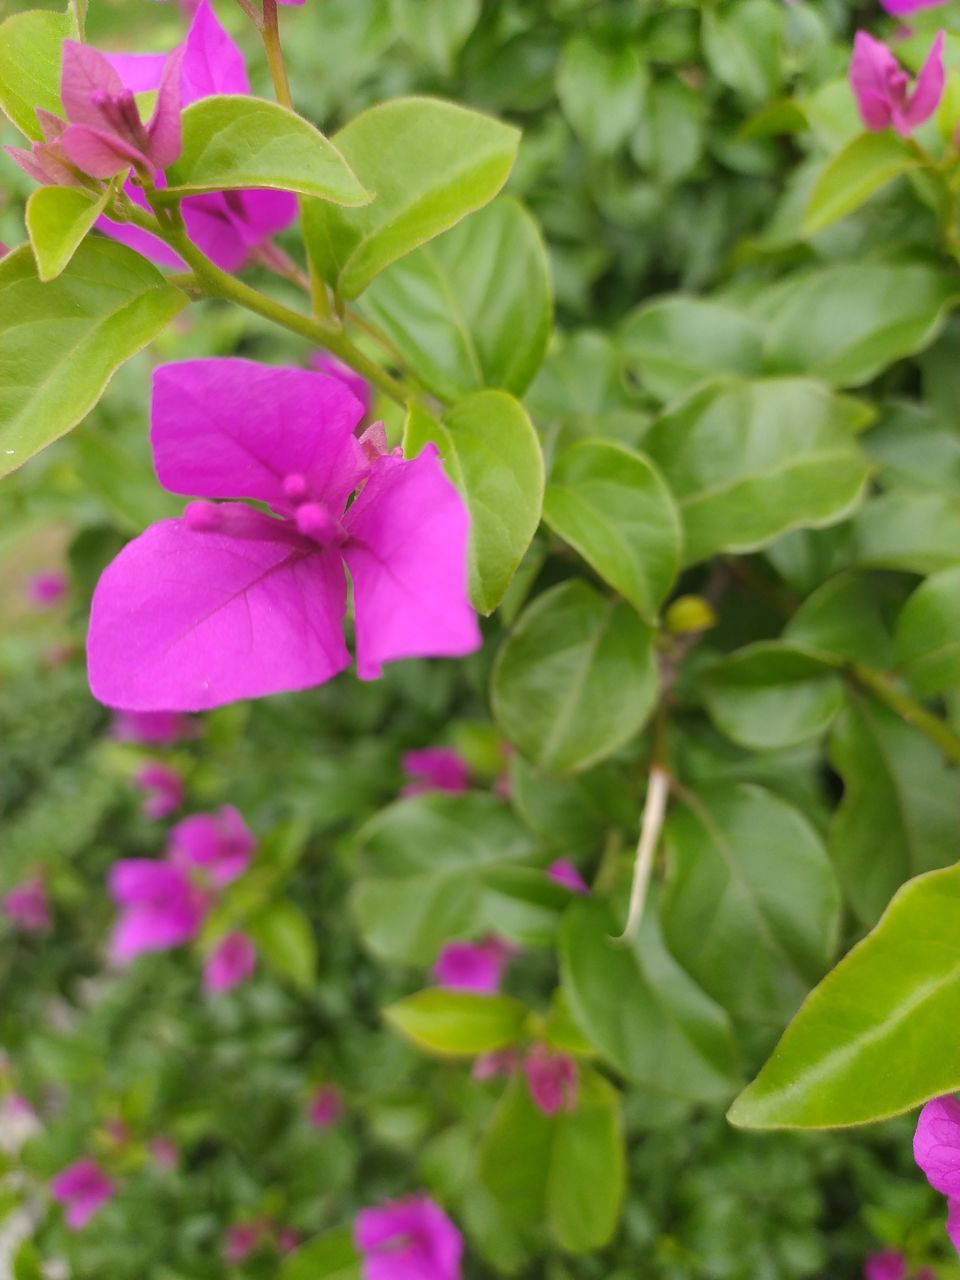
(927, 641)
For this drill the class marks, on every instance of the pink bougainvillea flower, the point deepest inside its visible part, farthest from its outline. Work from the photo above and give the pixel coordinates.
(227, 226)
(552, 1079)
(411, 1239)
(82, 1188)
(882, 87)
(243, 1239)
(160, 907)
(164, 1152)
(565, 872)
(502, 1062)
(936, 1149)
(288, 1239)
(232, 961)
(354, 382)
(228, 602)
(325, 1107)
(26, 906)
(472, 966)
(885, 1264)
(435, 769)
(46, 589)
(902, 8)
(219, 845)
(151, 728)
(164, 790)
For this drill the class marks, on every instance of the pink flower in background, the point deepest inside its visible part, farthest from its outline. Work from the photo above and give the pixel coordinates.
(227, 226)
(325, 1107)
(243, 1239)
(46, 589)
(26, 906)
(435, 769)
(219, 845)
(565, 872)
(936, 1149)
(882, 87)
(354, 382)
(164, 788)
(151, 728)
(411, 1239)
(82, 1188)
(164, 1152)
(886, 1264)
(288, 1238)
(902, 8)
(160, 907)
(230, 603)
(232, 962)
(552, 1079)
(472, 966)
(502, 1062)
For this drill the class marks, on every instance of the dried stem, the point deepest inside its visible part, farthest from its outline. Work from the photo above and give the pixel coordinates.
(651, 825)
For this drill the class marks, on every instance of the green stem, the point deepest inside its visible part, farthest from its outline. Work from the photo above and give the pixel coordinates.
(270, 31)
(885, 691)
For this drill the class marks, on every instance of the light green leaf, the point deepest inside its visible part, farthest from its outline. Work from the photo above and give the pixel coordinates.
(108, 304)
(563, 1172)
(327, 1257)
(30, 56)
(425, 861)
(58, 219)
(234, 142)
(436, 31)
(927, 640)
(641, 1010)
(748, 461)
(458, 1023)
(742, 43)
(492, 455)
(911, 532)
(611, 505)
(900, 810)
(874, 1039)
(472, 308)
(673, 343)
(429, 164)
(751, 905)
(284, 937)
(771, 695)
(601, 91)
(854, 174)
(576, 678)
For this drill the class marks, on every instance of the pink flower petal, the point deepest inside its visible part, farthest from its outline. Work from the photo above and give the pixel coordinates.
(220, 844)
(435, 769)
(471, 966)
(565, 872)
(552, 1079)
(936, 1145)
(82, 1188)
(928, 90)
(231, 963)
(160, 908)
(165, 130)
(410, 1239)
(99, 153)
(213, 63)
(140, 72)
(885, 1264)
(407, 556)
(86, 72)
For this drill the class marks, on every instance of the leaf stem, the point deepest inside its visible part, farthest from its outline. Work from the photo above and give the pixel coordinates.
(270, 31)
(885, 691)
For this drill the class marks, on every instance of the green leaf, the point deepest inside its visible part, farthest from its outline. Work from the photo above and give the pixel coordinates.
(748, 461)
(742, 43)
(751, 905)
(927, 640)
(576, 678)
(524, 905)
(429, 164)
(572, 815)
(458, 1023)
(327, 1257)
(917, 445)
(771, 695)
(233, 142)
(641, 1010)
(30, 56)
(854, 174)
(911, 532)
(669, 140)
(601, 91)
(675, 342)
(492, 454)
(473, 307)
(611, 505)
(425, 862)
(900, 810)
(58, 219)
(874, 1039)
(107, 305)
(842, 620)
(563, 1172)
(436, 32)
(846, 323)
(284, 937)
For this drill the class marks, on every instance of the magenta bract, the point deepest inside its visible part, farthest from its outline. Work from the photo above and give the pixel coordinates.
(435, 769)
(26, 906)
(232, 961)
(164, 790)
(410, 1239)
(552, 1079)
(325, 1107)
(82, 1188)
(229, 602)
(565, 872)
(885, 1264)
(472, 966)
(882, 87)
(160, 907)
(217, 845)
(151, 728)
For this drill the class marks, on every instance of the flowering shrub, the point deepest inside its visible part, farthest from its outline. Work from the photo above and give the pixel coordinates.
(479, 721)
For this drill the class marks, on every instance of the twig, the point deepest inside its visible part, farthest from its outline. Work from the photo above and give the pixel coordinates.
(651, 825)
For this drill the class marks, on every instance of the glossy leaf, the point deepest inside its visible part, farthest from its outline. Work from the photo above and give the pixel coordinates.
(611, 505)
(772, 695)
(284, 938)
(458, 1023)
(927, 641)
(854, 174)
(58, 219)
(234, 142)
(106, 306)
(575, 679)
(751, 905)
(472, 308)
(429, 163)
(747, 461)
(641, 1010)
(30, 45)
(673, 343)
(492, 454)
(572, 814)
(873, 1039)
